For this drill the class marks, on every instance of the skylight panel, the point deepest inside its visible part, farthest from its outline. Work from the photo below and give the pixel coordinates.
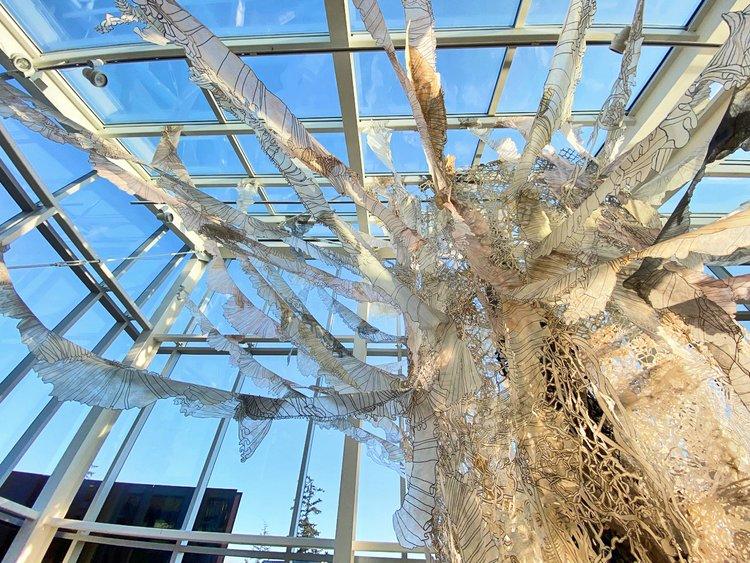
(148, 265)
(17, 176)
(663, 13)
(90, 328)
(261, 164)
(215, 371)
(600, 68)
(258, 159)
(525, 81)
(225, 194)
(35, 285)
(56, 25)
(278, 194)
(8, 207)
(154, 299)
(472, 13)
(467, 76)
(203, 155)
(122, 425)
(236, 18)
(148, 91)
(335, 143)
(378, 89)
(408, 155)
(108, 220)
(462, 144)
(55, 164)
(306, 82)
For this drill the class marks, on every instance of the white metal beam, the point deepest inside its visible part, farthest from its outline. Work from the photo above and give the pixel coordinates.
(23, 223)
(325, 125)
(187, 535)
(359, 41)
(337, 12)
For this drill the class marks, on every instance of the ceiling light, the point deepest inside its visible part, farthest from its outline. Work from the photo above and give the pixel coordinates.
(93, 75)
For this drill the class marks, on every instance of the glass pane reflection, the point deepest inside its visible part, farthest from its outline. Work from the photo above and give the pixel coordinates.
(600, 68)
(70, 24)
(55, 164)
(472, 13)
(151, 91)
(107, 219)
(306, 83)
(666, 13)
(202, 155)
(466, 90)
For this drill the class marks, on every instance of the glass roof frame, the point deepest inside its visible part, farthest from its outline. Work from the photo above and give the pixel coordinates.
(340, 40)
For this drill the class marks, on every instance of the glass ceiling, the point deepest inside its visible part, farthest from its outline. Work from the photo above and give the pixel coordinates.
(69, 24)
(140, 98)
(155, 92)
(159, 91)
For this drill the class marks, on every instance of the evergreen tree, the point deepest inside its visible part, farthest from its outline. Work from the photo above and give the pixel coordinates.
(306, 528)
(263, 532)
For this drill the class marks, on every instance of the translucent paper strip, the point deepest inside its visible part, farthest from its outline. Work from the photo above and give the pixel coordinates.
(505, 148)
(613, 110)
(262, 377)
(590, 288)
(382, 451)
(239, 310)
(80, 375)
(335, 361)
(554, 110)
(379, 140)
(361, 327)
(419, 81)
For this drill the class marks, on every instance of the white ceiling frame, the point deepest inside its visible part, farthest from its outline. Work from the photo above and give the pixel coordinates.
(361, 41)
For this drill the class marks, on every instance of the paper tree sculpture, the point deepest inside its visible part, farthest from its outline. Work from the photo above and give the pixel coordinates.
(577, 387)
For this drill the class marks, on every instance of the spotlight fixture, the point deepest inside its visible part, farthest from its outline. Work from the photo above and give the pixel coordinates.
(22, 64)
(92, 73)
(618, 41)
(165, 216)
